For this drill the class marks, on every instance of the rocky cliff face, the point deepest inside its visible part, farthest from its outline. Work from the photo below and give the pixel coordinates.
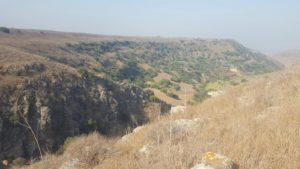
(62, 105)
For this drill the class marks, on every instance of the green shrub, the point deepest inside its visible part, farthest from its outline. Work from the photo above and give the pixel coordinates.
(14, 118)
(152, 98)
(131, 71)
(176, 79)
(86, 74)
(173, 95)
(200, 95)
(89, 125)
(164, 90)
(177, 87)
(244, 80)
(19, 161)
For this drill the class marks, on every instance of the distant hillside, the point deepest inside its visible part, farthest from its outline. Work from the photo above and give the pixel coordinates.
(288, 58)
(66, 84)
(197, 62)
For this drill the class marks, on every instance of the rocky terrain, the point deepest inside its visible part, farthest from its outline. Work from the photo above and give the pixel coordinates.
(52, 101)
(58, 85)
(254, 125)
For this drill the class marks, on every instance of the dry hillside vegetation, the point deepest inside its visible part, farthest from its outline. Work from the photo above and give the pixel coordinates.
(184, 91)
(17, 65)
(185, 94)
(160, 63)
(256, 124)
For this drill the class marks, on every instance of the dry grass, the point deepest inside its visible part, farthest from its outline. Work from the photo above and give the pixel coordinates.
(185, 94)
(83, 152)
(288, 58)
(17, 58)
(164, 97)
(256, 124)
(144, 66)
(162, 76)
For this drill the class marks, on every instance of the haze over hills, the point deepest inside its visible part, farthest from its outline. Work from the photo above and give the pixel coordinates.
(288, 58)
(61, 85)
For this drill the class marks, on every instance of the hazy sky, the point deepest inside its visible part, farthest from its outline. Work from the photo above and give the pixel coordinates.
(266, 25)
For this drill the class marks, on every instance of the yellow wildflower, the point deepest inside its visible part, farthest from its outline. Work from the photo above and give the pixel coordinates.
(210, 156)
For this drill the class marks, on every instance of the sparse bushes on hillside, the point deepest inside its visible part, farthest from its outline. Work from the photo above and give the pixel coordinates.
(201, 93)
(173, 95)
(164, 86)
(131, 72)
(84, 73)
(176, 79)
(89, 125)
(191, 62)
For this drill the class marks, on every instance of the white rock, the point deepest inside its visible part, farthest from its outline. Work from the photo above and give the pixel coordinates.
(71, 164)
(145, 150)
(215, 93)
(126, 138)
(202, 166)
(177, 109)
(211, 160)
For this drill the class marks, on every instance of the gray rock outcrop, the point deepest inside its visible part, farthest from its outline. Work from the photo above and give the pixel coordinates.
(64, 105)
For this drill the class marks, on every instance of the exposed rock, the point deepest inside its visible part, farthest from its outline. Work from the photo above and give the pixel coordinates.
(173, 129)
(177, 109)
(215, 93)
(71, 164)
(202, 166)
(126, 138)
(163, 131)
(63, 105)
(211, 160)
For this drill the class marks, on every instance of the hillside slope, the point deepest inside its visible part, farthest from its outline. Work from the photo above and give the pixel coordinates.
(57, 101)
(196, 62)
(55, 85)
(256, 124)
